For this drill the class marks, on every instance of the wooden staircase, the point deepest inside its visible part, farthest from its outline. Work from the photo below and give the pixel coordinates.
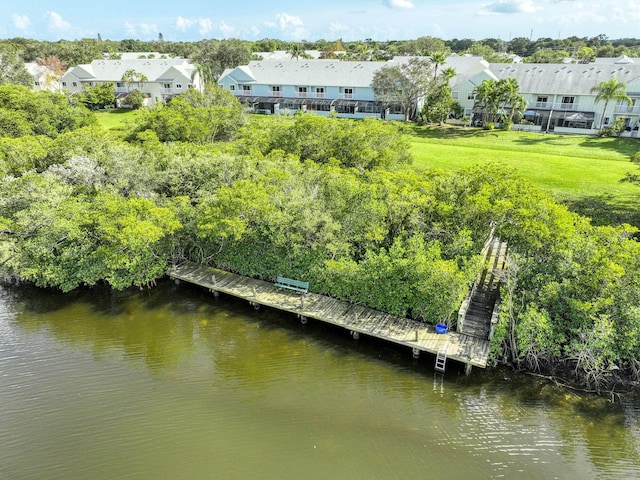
(485, 292)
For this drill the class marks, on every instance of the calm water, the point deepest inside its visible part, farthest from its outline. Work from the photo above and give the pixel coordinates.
(175, 384)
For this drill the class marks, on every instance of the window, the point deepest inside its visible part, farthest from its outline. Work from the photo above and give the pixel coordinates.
(349, 109)
(75, 84)
(120, 84)
(369, 107)
(64, 84)
(454, 95)
(542, 99)
(470, 96)
(276, 90)
(347, 92)
(232, 88)
(568, 99)
(178, 85)
(246, 89)
(302, 92)
(320, 93)
(36, 83)
(166, 85)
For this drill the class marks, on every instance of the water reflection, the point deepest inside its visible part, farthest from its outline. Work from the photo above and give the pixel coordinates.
(172, 383)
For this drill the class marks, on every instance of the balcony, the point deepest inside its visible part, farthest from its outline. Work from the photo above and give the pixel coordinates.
(571, 107)
(319, 94)
(543, 105)
(243, 93)
(302, 95)
(275, 93)
(347, 96)
(623, 109)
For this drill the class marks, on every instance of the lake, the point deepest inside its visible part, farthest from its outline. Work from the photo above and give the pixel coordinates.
(172, 383)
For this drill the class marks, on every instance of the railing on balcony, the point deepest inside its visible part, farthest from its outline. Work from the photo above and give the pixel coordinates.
(301, 94)
(276, 93)
(556, 106)
(320, 95)
(566, 106)
(243, 93)
(544, 105)
(347, 96)
(628, 110)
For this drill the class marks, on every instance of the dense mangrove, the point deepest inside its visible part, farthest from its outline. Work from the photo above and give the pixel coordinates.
(332, 201)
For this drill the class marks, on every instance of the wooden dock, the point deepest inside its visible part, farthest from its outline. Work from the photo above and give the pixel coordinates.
(358, 320)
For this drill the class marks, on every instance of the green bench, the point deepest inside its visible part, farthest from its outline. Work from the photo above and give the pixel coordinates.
(290, 284)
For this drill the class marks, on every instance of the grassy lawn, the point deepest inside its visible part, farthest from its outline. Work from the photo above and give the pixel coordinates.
(584, 172)
(115, 119)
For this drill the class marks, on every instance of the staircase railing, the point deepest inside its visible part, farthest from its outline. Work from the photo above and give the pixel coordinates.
(464, 307)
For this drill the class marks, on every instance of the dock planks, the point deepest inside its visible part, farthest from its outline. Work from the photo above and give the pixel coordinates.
(418, 336)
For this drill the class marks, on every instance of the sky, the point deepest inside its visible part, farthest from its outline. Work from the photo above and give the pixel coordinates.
(295, 20)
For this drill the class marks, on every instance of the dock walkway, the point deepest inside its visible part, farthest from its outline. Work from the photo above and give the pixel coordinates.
(420, 337)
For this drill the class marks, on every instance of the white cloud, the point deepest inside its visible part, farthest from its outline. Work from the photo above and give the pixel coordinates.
(290, 26)
(509, 6)
(183, 24)
(56, 22)
(147, 29)
(338, 27)
(399, 4)
(227, 30)
(21, 22)
(205, 25)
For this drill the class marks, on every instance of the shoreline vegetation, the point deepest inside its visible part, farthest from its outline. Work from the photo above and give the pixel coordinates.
(392, 216)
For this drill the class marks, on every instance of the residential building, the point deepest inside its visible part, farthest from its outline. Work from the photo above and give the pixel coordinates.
(159, 79)
(43, 77)
(324, 87)
(559, 96)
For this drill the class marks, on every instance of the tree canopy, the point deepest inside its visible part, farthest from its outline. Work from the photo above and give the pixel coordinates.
(23, 112)
(403, 84)
(325, 199)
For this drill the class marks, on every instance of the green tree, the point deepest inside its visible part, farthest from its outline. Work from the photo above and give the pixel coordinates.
(404, 84)
(547, 55)
(202, 118)
(22, 153)
(24, 112)
(131, 77)
(98, 96)
(585, 55)
(437, 59)
(496, 99)
(219, 55)
(480, 49)
(12, 69)
(135, 99)
(610, 90)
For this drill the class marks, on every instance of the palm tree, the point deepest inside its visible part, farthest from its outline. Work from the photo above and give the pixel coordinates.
(509, 93)
(485, 95)
(296, 51)
(448, 73)
(131, 76)
(437, 58)
(204, 72)
(608, 90)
